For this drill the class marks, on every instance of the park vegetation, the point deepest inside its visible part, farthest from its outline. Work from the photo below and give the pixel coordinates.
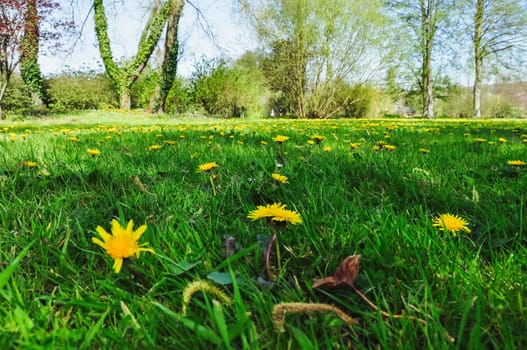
(139, 231)
(316, 59)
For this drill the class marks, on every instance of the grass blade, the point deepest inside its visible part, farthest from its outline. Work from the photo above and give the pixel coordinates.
(6, 274)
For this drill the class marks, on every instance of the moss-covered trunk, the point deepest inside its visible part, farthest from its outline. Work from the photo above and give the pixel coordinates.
(124, 77)
(29, 67)
(169, 66)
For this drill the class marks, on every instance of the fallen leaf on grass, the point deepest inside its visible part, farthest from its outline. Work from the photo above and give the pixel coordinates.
(345, 275)
(139, 184)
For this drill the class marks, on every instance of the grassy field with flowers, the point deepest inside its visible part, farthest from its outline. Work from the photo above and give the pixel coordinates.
(134, 232)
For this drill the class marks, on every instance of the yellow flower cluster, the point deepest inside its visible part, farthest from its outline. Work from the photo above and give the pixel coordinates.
(275, 212)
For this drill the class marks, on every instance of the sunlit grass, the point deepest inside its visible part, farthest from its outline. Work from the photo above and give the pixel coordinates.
(368, 187)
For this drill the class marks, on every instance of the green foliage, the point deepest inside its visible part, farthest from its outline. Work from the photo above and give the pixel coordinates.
(17, 97)
(32, 77)
(470, 289)
(500, 107)
(459, 104)
(81, 91)
(359, 101)
(144, 89)
(124, 77)
(228, 91)
(179, 99)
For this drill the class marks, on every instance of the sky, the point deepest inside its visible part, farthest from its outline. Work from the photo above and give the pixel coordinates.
(81, 53)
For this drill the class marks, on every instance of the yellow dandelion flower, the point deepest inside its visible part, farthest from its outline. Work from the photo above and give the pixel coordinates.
(389, 147)
(318, 138)
(170, 142)
(327, 149)
(73, 139)
(154, 147)
(122, 243)
(93, 152)
(279, 178)
(310, 142)
(264, 143)
(424, 150)
(502, 140)
(30, 164)
(355, 145)
(280, 138)
(452, 223)
(206, 167)
(275, 212)
(516, 162)
(480, 140)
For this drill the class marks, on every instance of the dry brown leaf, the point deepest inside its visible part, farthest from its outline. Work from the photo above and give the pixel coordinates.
(139, 184)
(345, 275)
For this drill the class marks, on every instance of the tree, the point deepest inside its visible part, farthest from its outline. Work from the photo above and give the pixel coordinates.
(124, 77)
(316, 43)
(500, 26)
(11, 30)
(29, 67)
(171, 55)
(21, 35)
(421, 22)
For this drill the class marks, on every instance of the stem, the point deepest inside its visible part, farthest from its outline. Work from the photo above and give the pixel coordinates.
(212, 184)
(268, 254)
(384, 313)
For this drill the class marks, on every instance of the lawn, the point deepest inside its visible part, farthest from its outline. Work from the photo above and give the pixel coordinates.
(218, 272)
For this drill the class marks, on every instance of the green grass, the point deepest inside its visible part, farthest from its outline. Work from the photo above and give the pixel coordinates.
(58, 289)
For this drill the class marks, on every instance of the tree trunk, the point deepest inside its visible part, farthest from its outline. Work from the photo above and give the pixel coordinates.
(428, 26)
(477, 87)
(169, 66)
(478, 57)
(29, 67)
(3, 88)
(124, 78)
(428, 93)
(126, 100)
(428, 105)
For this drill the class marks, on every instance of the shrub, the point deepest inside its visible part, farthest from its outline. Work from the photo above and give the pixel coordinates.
(81, 91)
(360, 100)
(17, 98)
(228, 91)
(499, 106)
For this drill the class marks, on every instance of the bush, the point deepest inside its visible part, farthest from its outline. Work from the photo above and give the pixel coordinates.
(229, 91)
(499, 106)
(458, 104)
(17, 98)
(360, 101)
(81, 91)
(144, 89)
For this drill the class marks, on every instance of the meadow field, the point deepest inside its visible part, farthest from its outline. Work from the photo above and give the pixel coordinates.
(395, 234)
